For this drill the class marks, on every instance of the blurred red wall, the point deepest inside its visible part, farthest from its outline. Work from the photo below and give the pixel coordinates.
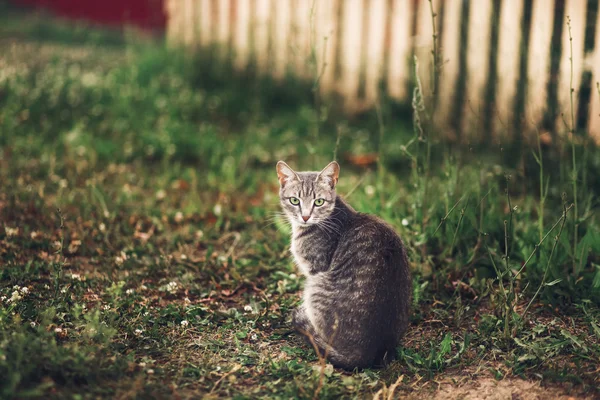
(147, 14)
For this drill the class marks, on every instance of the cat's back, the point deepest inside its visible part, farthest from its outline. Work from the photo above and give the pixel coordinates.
(371, 240)
(372, 276)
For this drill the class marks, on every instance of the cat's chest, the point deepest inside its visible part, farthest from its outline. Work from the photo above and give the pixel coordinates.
(312, 252)
(299, 257)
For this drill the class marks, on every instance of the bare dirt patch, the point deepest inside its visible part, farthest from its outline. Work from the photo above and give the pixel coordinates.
(491, 389)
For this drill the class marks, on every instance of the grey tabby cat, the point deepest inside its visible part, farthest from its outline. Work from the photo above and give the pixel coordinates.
(357, 291)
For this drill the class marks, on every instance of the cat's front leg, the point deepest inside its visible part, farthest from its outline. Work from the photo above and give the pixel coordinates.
(300, 320)
(302, 324)
(319, 260)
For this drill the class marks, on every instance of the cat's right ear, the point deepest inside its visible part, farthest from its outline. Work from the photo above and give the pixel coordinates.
(285, 173)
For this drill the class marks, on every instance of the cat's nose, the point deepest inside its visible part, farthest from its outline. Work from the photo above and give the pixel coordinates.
(305, 218)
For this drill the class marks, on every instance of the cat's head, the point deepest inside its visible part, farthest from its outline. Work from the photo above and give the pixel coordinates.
(307, 198)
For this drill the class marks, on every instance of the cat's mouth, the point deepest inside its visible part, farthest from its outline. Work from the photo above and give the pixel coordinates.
(306, 222)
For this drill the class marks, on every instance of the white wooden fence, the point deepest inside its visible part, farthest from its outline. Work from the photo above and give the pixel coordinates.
(486, 85)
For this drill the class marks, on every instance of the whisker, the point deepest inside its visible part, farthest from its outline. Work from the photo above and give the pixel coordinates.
(328, 226)
(333, 226)
(324, 228)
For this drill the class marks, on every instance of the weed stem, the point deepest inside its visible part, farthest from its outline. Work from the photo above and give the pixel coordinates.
(556, 239)
(574, 173)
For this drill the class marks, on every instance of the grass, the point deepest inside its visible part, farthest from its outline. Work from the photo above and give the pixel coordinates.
(139, 256)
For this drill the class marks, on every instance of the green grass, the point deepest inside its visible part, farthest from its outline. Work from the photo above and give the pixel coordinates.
(137, 194)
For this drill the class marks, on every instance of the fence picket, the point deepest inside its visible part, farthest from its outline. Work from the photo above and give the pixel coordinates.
(280, 37)
(223, 27)
(594, 117)
(374, 58)
(241, 43)
(511, 15)
(302, 37)
(449, 70)
(172, 29)
(187, 26)
(399, 64)
(478, 45)
(328, 81)
(351, 54)
(423, 45)
(538, 62)
(261, 34)
(575, 10)
(206, 24)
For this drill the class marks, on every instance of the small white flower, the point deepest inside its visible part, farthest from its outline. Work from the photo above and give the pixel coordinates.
(178, 216)
(130, 291)
(15, 296)
(254, 337)
(150, 371)
(248, 308)
(76, 277)
(161, 194)
(106, 307)
(58, 330)
(142, 364)
(63, 290)
(184, 323)
(143, 287)
(32, 323)
(199, 234)
(46, 286)
(405, 222)
(172, 287)
(293, 276)
(217, 209)
(11, 231)
(138, 332)
(2, 298)
(24, 290)
(62, 183)
(102, 227)
(370, 190)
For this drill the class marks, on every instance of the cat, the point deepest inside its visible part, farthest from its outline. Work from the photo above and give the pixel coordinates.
(356, 296)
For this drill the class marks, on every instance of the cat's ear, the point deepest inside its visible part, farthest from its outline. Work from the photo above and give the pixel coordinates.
(285, 173)
(330, 174)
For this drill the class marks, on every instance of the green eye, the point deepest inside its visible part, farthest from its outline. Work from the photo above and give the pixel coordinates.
(319, 202)
(294, 201)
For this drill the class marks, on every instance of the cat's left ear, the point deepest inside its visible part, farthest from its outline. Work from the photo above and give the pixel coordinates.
(330, 174)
